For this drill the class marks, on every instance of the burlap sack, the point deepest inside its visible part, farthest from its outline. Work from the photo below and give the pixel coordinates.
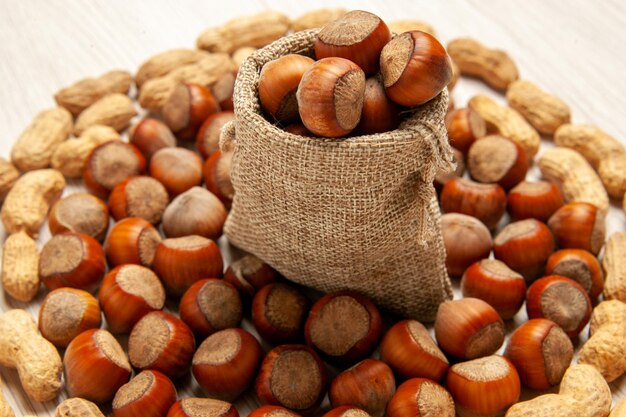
(358, 213)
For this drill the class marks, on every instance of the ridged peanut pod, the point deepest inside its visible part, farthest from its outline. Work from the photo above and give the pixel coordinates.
(507, 122)
(36, 360)
(606, 351)
(34, 148)
(207, 71)
(20, 267)
(544, 111)
(607, 312)
(241, 54)
(614, 264)
(404, 25)
(8, 175)
(5, 409)
(612, 173)
(577, 180)
(70, 156)
(583, 393)
(113, 110)
(620, 409)
(255, 30)
(77, 407)
(165, 62)
(28, 202)
(317, 18)
(493, 66)
(590, 141)
(82, 94)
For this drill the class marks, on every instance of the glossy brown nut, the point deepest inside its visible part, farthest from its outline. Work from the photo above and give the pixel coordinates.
(249, 274)
(67, 312)
(541, 353)
(346, 411)
(298, 129)
(464, 127)
(486, 202)
(415, 68)
(343, 326)
(187, 108)
(273, 411)
(468, 328)
(358, 36)
(279, 312)
(202, 407)
(292, 376)
(150, 135)
(579, 265)
(330, 97)
(466, 239)
(226, 363)
(178, 169)
(534, 200)
(95, 366)
(109, 164)
(142, 197)
(379, 114)
(561, 300)
(483, 387)
(278, 83)
(182, 261)
(211, 305)
(72, 260)
(81, 213)
(128, 293)
(132, 241)
(578, 226)
(368, 385)
(208, 137)
(216, 171)
(411, 352)
(495, 283)
(197, 211)
(525, 247)
(223, 90)
(161, 342)
(149, 394)
(496, 159)
(419, 397)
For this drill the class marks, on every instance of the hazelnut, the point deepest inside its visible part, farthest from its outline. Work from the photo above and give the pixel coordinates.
(279, 312)
(346, 411)
(223, 90)
(208, 138)
(81, 213)
(496, 159)
(579, 265)
(150, 135)
(141, 196)
(486, 202)
(273, 411)
(466, 239)
(534, 200)
(149, 394)
(197, 211)
(187, 107)
(216, 171)
(202, 407)
(132, 241)
(178, 169)
(578, 226)
(249, 274)
(109, 164)
(379, 114)
(464, 127)
(419, 397)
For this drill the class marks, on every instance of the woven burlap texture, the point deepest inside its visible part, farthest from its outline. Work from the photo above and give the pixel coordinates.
(332, 214)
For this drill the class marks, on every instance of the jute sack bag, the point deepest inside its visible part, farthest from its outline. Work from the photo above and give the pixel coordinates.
(332, 214)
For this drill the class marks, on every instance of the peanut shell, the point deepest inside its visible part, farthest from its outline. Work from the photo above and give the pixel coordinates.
(114, 110)
(5, 409)
(620, 409)
(35, 146)
(406, 25)
(614, 263)
(544, 111)
(20, 267)
(606, 351)
(77, 407)
(71, 155)
(8, 175)
(590, 141)
(607, 312)
(612, 173)
(165, 62)
(317, 18)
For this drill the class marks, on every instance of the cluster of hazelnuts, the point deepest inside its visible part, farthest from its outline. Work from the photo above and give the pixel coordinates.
(360, 82)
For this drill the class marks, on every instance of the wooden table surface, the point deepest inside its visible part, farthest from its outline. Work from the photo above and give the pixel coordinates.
(573, 49)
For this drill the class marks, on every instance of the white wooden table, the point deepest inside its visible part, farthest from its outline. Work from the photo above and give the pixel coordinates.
(574, 49)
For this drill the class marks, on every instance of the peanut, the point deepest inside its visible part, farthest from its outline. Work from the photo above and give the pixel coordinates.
(614, 264)
(8, 175)
(28, 202)
(241, 54)
(37, 361)
(255, 30)
(607, 312)
(77, 407)
(82, 94)
(507, 122)
(612, 172)
(493, 66)
(34, 148)
(317, 18)
(113, 110)
(620, 409)
(155, 92)
(70, 156)
(544, 111)
(577, 180)
(165, 62)
(606, 350)
(583, 393)
(5, 409)
(20, 267)
(401, 26)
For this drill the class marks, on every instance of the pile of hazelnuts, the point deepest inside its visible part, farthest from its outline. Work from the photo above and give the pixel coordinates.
(361, 81)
